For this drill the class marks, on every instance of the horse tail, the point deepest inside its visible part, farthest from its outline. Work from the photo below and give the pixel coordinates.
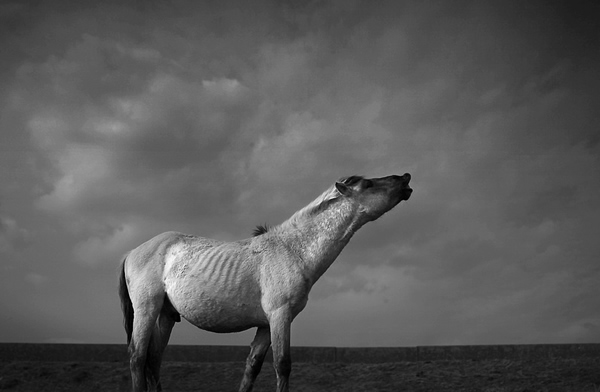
(126, 304)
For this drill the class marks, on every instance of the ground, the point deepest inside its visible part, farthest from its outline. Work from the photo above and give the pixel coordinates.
(570, 375)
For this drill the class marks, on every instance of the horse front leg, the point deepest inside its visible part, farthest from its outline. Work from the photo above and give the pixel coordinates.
(258, 351)
(280, 321)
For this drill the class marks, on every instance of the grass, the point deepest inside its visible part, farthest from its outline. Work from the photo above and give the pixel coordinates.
(545, 375)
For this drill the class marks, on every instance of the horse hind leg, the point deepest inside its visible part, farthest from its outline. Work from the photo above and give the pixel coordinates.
(145, 317)
(160, 338)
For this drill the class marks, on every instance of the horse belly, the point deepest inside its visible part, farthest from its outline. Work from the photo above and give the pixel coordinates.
(216, 305)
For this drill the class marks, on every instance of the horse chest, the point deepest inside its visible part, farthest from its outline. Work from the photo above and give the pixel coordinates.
(284, 289)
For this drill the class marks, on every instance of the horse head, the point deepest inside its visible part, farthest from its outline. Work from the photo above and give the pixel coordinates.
(375, 196)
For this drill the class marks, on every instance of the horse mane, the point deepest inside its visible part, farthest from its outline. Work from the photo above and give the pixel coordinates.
(260, 230)
(314, 207)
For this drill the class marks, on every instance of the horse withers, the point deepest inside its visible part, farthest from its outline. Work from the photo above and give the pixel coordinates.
(261, 282)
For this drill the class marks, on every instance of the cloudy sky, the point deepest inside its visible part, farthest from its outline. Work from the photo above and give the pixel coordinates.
(120, 121)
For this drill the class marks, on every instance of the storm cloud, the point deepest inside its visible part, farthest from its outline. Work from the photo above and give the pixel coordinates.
(120, 121)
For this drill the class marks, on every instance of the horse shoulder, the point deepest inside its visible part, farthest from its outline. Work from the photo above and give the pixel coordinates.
(282, 280)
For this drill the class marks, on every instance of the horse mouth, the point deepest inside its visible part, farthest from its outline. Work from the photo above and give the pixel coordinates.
(405, 190)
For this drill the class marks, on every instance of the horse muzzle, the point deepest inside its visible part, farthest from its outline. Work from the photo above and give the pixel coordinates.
(405, 189)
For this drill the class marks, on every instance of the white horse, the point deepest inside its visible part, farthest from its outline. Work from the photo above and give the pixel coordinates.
(260, 282)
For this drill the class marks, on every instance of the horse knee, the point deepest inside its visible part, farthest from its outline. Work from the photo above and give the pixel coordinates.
(283, 366)
(254, 363)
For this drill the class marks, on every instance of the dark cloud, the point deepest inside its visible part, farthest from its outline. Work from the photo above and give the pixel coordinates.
(120, 121)
(12, 237)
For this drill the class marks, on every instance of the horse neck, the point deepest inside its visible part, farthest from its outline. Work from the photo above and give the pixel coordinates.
(318, 239)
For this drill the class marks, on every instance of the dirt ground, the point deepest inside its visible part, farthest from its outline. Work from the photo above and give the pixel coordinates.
(564, 375)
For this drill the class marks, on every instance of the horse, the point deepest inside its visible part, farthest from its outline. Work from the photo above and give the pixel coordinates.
(261, 282)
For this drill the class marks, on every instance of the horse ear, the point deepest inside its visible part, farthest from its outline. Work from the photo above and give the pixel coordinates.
(343, 188)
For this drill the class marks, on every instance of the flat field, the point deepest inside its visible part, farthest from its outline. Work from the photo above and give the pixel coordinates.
(499, 375)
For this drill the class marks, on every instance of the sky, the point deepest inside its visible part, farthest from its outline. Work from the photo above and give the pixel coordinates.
(122, 120)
